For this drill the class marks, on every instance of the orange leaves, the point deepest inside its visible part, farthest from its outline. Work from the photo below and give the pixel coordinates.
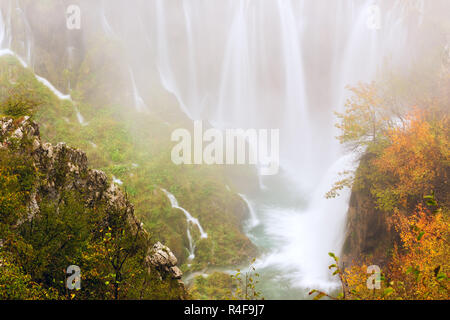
(417, 158)
(419, 268)
(421, 261)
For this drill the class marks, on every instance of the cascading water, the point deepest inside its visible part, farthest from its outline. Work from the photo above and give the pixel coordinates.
(279, 64)
(139, 103)
(190, 220)
(254, 221)
(5, 29)
(105, 24)
(262, 53)
(5, 49)
(27, 43)
(2, 30)
(52, 88)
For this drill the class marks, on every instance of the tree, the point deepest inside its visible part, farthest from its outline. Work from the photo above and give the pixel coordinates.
(245, 284)
(416, 161)
(365, 119)
(55, 238)
(122, 246)
(363, 127)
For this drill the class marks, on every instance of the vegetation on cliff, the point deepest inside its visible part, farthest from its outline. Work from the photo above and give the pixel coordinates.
(140, 159)
(399, 212)
(56, 213)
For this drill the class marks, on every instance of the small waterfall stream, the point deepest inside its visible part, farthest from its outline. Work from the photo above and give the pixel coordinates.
(2, 30)
(6, 51)
(190, 221)
(48, 85)
(107, 28)
(52, 88)
(139, 103)
(254, 221)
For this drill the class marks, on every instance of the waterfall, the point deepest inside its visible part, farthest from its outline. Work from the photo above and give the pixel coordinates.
(190, 220)
(191, 248)
(28, 41)
(305, 239)
(48, 85)
(245, 64)
(52, 88)
(2, 30)
(139, 103)
(45, 82)
(280, 64)
(254, 221)
(62, 96)
(6, 51)
(105, 24)
(5, 28)
(163, 65)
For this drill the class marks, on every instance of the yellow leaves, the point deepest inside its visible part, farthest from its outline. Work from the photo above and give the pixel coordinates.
(414, 159)
(365, 116)
(419, 267)
(424, 250)
(409, 160)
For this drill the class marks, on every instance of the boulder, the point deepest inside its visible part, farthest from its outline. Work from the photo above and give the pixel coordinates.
(164, 261)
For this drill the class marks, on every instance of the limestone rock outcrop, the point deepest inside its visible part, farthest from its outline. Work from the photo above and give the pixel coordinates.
(164, 261)
(64, 168)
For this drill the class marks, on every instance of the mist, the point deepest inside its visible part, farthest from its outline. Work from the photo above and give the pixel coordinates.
(249, 64)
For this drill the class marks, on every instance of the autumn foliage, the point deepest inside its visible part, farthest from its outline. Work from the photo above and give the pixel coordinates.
(404, 168)
(415, 162)
(420, 264)
(419, 268)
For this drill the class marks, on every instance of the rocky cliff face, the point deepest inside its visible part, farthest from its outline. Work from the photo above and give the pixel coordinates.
(368, 234)
(64, 168)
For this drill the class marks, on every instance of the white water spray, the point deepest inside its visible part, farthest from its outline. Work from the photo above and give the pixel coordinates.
(263, 51)
(304, 237)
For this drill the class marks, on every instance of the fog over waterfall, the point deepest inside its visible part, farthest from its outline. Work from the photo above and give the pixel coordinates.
(262, 64)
